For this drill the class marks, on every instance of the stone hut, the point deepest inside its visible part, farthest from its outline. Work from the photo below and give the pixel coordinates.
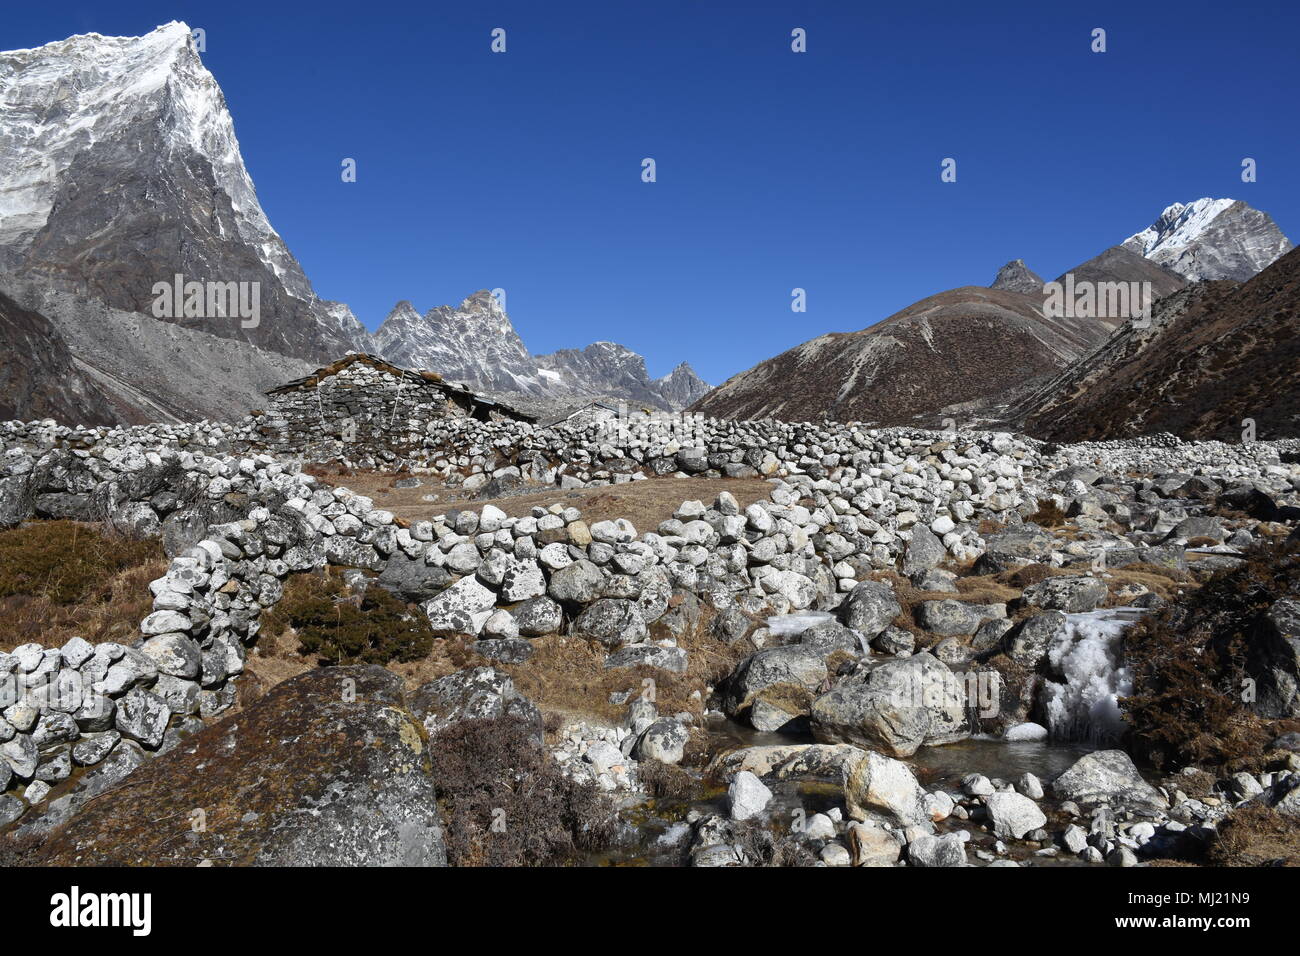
(364, 406)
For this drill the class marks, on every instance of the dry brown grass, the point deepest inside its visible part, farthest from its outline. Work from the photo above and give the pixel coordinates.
(1048, 515)
(1164, 582)
(644, 503)
(60, 579)
(1256, 835)
(567, 675)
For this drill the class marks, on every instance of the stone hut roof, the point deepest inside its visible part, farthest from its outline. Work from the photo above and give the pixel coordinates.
(422, 378)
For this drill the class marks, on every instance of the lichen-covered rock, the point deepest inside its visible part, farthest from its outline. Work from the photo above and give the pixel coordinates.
(1069, 593)
(870, 607)
(613, 622)
(477, 693)
(894, 708)
(1107, 776)
(327, 769)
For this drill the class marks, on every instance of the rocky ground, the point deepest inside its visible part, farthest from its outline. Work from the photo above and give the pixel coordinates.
(916, 648)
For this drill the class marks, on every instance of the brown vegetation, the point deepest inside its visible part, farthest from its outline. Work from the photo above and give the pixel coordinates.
(567, 675)
(644, 503)
(64, 578)
(341, 626)
(1256, 835)
(1048, 515)
(507, 803)
(1188, 665)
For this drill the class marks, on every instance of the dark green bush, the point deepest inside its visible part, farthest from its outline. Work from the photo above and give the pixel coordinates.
(343, 627)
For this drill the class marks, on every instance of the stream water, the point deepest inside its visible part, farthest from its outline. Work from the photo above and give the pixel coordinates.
(1081, 704)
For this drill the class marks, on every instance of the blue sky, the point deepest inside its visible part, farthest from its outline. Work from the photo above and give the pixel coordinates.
(775, 170)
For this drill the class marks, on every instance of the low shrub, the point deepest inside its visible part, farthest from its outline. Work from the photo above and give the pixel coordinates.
(506, 801)
(1256, 835)
(1189, 667)
(1048, 515)
(667, 782)
(341, 626)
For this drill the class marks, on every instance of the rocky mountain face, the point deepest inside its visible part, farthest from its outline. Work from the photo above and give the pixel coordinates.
(39, 377)
(682, 386)
(476, 343)
(938, 357)
(1215, 355)
(1211, 239)
(121, 170)
(147, 370)
(1015, 276)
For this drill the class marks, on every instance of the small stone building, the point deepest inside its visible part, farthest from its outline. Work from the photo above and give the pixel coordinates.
(364, 406)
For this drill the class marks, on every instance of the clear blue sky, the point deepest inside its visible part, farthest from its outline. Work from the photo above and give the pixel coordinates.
(775, 170)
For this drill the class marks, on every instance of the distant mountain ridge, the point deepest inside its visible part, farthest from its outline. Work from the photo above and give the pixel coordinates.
(476, 343)
(1215, 356)
(971, 352)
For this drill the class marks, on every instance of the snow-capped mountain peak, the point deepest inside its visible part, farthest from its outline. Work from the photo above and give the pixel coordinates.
(1211, 239)
(130, 138)
(1178, 226)
(476, 343)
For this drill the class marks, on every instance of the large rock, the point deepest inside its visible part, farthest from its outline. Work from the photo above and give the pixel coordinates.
(579, 583)
(788, 761)
(1013, 549)
(479, 693)
(664, 740)
(949, 618)
(872, 846)
(462, 608)
(927, 850)
(878, 783)
(16, 501)
(613, 622)
(1273, 659)
(870, 607)
(411, 579)
(786, 675)
(538, 616)
(1027, 642)
(1069, 593)
(1013, 815)
(747, 796)
(327, 769)
(1107, 776)
(894, 708)
(924, 551)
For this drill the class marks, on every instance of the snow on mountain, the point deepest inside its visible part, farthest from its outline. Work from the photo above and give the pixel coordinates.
(119, 168)
(1211, 239)
(476, 343)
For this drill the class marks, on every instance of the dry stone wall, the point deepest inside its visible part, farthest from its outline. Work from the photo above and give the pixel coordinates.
(844, 502)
